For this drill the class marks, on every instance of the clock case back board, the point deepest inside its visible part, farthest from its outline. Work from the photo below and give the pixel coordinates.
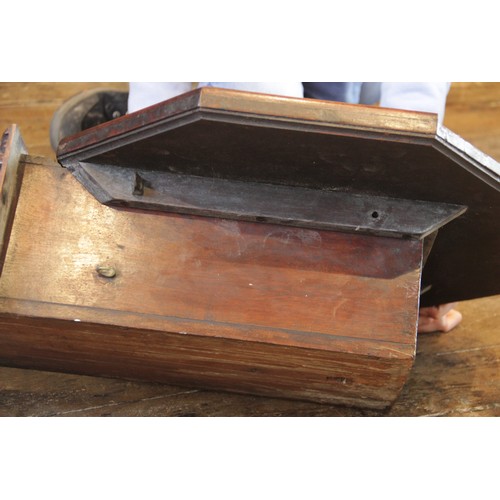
(319, 146)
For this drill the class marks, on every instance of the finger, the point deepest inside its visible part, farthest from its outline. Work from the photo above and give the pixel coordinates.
(437, 311)
(450, 320)
(428, 312)
(427, 324)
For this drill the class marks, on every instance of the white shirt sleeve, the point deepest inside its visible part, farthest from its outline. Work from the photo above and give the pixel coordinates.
(144, 94)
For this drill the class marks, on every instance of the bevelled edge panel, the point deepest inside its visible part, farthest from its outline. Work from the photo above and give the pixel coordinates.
(11, 173)
(270, 108)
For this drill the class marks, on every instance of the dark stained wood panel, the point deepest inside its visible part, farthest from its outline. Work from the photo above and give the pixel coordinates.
(262, 202)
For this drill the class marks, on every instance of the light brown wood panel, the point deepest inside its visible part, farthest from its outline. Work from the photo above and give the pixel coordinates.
(293, 320)
(205, 269)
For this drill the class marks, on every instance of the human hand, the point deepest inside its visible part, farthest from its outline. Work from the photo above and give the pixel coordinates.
(441, 318)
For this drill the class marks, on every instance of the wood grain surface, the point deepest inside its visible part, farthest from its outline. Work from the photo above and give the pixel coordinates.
(455, 374)
(249, 307)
